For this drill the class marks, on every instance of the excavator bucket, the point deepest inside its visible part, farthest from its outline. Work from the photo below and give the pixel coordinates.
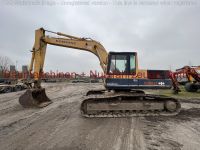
(34, 98)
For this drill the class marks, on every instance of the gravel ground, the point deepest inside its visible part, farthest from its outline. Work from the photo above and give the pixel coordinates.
(60, 126)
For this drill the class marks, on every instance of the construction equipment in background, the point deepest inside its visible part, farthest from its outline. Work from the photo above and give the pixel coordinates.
(53, 80)
(8, 85)
(192, 76)
(122, 97)
(84, 79)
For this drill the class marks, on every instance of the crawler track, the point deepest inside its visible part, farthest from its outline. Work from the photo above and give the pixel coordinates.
(130, 105)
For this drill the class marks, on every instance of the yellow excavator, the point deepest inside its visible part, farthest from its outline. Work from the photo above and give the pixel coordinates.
(122, 96)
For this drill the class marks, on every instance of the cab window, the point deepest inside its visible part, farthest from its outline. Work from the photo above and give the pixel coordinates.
(119, 64)
(132, 64)
(122, 64)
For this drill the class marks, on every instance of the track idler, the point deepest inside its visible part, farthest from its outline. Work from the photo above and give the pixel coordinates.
(34, 98)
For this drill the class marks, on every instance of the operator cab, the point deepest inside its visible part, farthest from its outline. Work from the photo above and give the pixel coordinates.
(122, 63)
(122, 74)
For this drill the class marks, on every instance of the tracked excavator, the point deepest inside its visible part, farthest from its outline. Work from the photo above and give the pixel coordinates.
(192, 75)
(122, 96)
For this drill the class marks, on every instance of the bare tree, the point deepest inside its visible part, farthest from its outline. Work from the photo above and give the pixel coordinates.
(5, 62)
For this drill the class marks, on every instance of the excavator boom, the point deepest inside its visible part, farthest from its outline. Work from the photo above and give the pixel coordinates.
(41, 41)
(36, 96)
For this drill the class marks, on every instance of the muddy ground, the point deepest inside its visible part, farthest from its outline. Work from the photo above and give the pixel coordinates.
(60, 126)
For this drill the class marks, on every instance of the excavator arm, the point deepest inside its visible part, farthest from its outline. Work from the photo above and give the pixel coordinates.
(36, 95)
(64, 40)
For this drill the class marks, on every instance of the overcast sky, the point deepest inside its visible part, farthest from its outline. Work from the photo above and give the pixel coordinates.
(164, 35)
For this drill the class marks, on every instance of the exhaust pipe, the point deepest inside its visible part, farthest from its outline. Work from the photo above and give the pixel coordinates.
(34, 98)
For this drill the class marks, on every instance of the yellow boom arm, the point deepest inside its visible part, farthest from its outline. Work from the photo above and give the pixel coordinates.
(41, 41)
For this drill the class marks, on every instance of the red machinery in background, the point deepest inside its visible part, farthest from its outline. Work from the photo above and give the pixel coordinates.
(192, 76)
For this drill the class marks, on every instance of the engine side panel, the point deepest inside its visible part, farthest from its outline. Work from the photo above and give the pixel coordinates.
(117, 83)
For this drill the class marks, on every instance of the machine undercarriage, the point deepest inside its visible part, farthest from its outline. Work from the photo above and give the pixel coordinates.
(101, 103)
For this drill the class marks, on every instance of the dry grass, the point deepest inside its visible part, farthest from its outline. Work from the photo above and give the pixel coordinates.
(181, 95)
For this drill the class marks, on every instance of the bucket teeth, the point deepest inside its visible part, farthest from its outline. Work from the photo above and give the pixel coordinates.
(34, 98)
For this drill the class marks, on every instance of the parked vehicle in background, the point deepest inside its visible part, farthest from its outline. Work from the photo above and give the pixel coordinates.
(11, 85)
